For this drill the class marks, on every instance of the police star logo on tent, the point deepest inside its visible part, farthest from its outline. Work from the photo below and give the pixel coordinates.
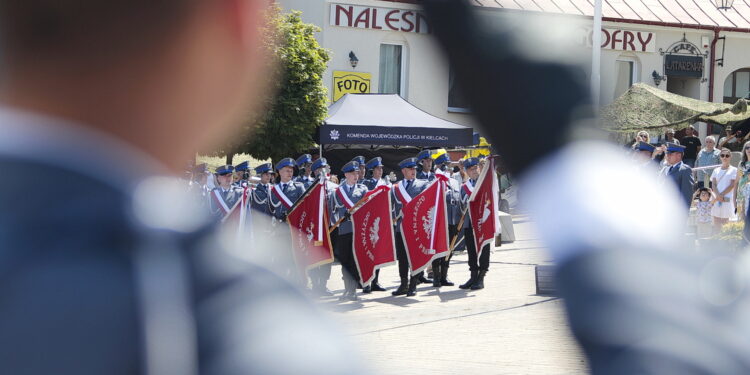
(334, 134)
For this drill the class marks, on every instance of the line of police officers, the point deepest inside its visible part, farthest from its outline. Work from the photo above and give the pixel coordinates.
(232, 181)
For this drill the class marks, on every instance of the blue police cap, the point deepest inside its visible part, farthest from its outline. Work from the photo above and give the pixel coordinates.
(645, 146)
(442, 159)
(200, 168)
(320, 163)
(673, 147)
(423, 155)
(263, 168)
(350, 166)
(285, 162)
(359, 159)
(242, 167)
(470, 162)
(306, 158)
(374, 162)
(224, 169)
(408, 163)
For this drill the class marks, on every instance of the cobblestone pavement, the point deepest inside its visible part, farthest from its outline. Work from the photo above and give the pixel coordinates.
(504, 329)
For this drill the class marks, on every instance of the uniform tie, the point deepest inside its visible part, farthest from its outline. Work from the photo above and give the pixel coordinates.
(284, 187)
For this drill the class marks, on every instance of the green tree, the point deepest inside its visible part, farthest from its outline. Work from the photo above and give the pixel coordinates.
(300, 104)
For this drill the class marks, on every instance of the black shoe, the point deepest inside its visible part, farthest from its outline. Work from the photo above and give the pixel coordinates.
(376, 287)
(367, 289)
(444, 277)
(479, 283)
(402, 289)
(471, 281)
(412, 287)
(424, 280)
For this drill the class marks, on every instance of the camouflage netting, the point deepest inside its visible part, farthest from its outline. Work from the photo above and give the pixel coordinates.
(645, 107)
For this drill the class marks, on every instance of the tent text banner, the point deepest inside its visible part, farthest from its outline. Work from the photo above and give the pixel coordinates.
(393, 136)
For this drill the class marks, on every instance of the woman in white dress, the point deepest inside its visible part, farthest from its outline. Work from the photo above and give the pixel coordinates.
(724, 180)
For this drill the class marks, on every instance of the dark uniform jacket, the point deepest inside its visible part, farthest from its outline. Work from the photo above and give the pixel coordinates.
(417, 186)
(682, 175)
(372, 183)
(230, 197)
(294, 191)
(355, 194)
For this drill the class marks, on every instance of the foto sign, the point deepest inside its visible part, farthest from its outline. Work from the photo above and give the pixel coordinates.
(350, 83)
(374, 18)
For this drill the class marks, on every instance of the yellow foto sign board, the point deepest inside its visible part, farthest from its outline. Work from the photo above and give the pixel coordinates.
(350, 83)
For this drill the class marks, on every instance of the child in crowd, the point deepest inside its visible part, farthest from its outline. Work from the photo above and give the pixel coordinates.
(703, 218)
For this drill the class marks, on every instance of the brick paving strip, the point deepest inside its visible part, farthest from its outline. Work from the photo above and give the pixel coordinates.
(504, 329)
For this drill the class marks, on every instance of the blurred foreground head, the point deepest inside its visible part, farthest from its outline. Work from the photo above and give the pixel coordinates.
(145, 71)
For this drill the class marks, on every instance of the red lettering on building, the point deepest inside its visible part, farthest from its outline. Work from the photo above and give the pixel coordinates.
(375, 19)
(614, 38)
(407, 20)
(644, 43)
(348, 13)
(363, 17)
(627, 40)
(390, 18)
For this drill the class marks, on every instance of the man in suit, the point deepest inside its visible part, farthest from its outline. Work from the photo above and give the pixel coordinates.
(680, 173)
(130, 276)
(225, 196)
(401, 193)
(344, 198)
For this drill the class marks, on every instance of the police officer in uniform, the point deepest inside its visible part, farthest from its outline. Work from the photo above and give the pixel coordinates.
(361, 162)
(348, 193)
(241, 174)
(319, 276)
(413, 187)
(305, 172)
(259, 195)
(224, 196)
(375, 166)
(452, 200)
(424, 159)
(471, 165)
(287, 193)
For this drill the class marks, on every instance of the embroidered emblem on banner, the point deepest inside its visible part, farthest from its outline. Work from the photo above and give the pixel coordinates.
(374, 232)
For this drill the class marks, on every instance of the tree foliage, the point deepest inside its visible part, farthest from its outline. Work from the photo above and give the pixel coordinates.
(300, 103)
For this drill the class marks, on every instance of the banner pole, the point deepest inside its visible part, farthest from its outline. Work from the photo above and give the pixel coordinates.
(458, 231)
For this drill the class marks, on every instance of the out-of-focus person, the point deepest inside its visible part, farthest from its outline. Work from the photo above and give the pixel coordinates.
(723, 180)
(692, 144)
(743, 176)
(116, 272)
(641, 136)
(707, 156)
(667, 137)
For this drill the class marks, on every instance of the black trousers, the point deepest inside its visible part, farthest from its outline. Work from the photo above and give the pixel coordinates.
(346, 257)
(484, 257)
(403, 261)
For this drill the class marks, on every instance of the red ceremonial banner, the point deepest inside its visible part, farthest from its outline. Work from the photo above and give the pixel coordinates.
(308, 220)
(373, 243)
(424, 227)
(483, 207)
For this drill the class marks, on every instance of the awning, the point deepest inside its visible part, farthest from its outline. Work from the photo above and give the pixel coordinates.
(388, 119)
(647, 107)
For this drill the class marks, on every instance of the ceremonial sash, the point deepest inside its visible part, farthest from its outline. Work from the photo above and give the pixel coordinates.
(468, 189)
(216, 196)
(401, 193)
(282, 197)
(344, 198)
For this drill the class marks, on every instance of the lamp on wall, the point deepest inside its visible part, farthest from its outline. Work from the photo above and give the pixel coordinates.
(657, 78)
(723, 4)
(353, 60)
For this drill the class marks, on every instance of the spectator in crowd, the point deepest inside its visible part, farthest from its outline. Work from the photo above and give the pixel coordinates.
(709, 155)
(679, 172)
(692, 144)
(641, 136)
(743, 174)
(724, 180)
(667, 137)
(732, 140)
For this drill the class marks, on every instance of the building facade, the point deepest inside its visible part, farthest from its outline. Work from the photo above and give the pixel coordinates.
(683, 46)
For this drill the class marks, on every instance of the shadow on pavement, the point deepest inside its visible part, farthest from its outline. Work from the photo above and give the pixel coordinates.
(402, 301)
(450, 295)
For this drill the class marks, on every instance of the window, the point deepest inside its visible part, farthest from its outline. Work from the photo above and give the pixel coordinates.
(391, 69)
(456, 101)
(625, 75)
(737, 86)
